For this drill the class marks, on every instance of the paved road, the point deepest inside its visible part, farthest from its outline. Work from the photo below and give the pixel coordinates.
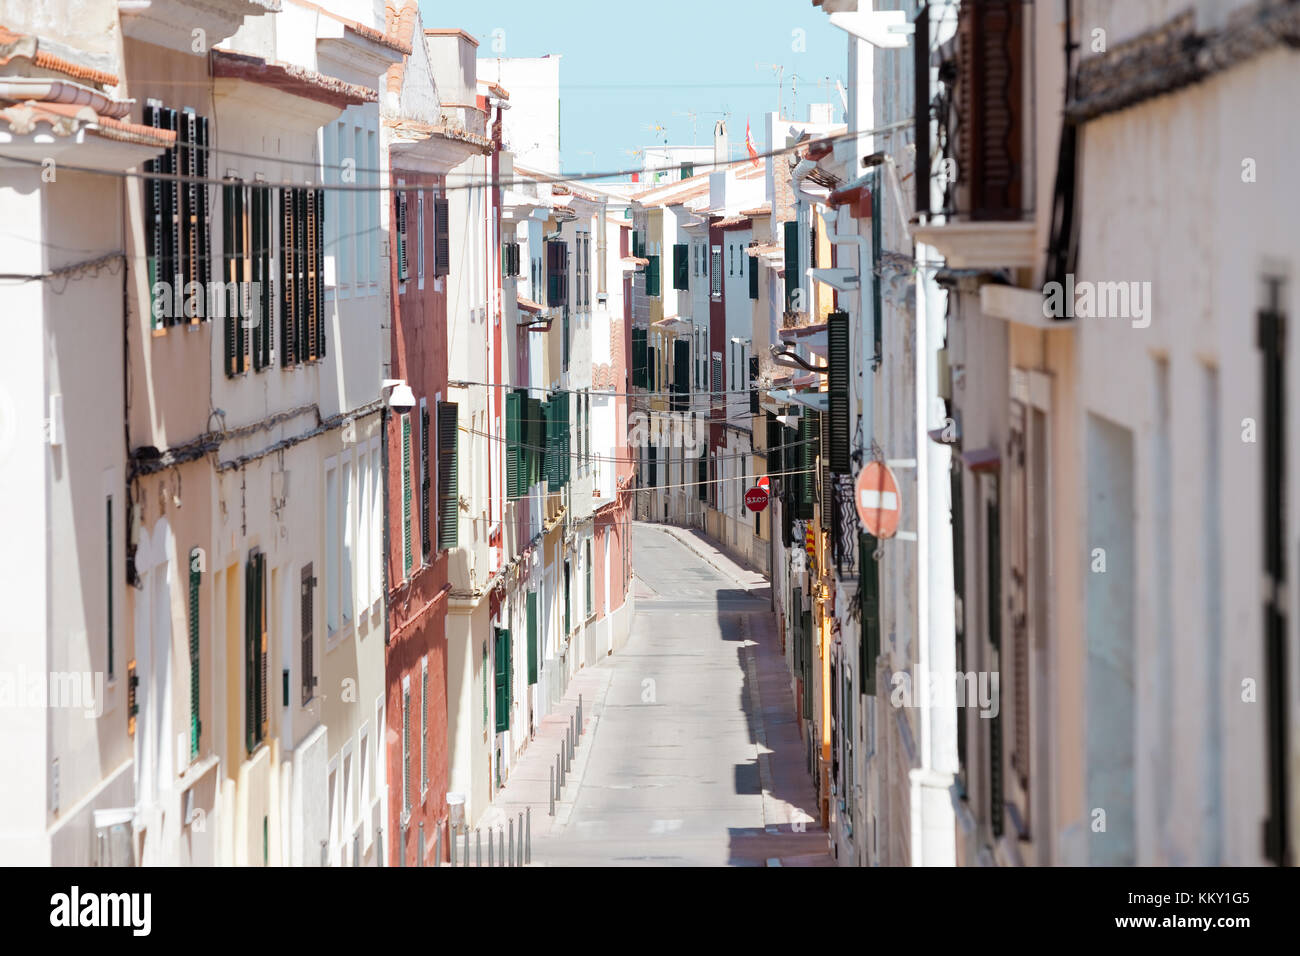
(694, 757)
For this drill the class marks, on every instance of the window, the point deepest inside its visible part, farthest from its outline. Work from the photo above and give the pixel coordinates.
(424, 728)
(419, 234)
(557, 274)
(331, 548)
(302, 276)
(346, 583)
(255, 651)
(177, 220)
(510, 259)
(406, 745)
(307, 593)
(196, 574)
(108, 579)
(448, 475)
(652, 276)
(715, 262)
(731, 258)
(406, 496)
(681, 280)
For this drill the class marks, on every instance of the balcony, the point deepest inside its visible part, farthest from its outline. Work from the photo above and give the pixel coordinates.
(984, 132)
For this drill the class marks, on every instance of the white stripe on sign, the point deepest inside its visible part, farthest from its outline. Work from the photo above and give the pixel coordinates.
(872, 500)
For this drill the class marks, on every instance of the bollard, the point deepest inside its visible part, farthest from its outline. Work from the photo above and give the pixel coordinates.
(511, 858)
(520, 856)
(379, 846)
(559, 772)
(579, 713)
(324, 853)
(567, 747)
(466, 863)
(451, 833)
(573, 737)
(501, 839)
(550, 790)
(437, 845)
(490, 854)
(528, 846)
(402, 848)
(478, 848)
(419, 860)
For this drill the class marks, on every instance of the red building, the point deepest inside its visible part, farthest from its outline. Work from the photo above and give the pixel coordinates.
(421, 454)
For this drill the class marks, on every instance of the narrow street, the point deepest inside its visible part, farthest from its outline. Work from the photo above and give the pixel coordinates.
(692, 755)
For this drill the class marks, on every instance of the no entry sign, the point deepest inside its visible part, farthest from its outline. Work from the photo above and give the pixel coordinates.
(756, 499)
(876, 495)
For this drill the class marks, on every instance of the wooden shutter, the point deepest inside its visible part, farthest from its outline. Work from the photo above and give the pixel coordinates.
(809, 432)
(639, 358)
(536, 439)
(681, 276)
(501, 658)
(514, 401)
(839, 365)
(264, 656)
(752, 385)
(681, 373)
(869, 608)
(921, 99)
(448, 475)
(318, 259)
(441, 232)
(989, 107)
(231, 329)
(715, 271)
(565, 462)
(993, 558)
(288, 287)
(407, 556)
(426, 532)
(196, 726)
(307, 593)
(792, 277)
(531, 605)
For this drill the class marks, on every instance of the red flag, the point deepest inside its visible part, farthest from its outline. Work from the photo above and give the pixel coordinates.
(749, 144)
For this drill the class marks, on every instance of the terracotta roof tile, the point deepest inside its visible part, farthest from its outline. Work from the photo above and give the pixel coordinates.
(27, 47)
(65, 119)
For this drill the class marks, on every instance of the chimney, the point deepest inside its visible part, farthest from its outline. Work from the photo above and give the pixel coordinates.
(720, 151)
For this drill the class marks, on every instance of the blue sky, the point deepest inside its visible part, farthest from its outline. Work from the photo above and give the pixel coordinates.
(628, 67)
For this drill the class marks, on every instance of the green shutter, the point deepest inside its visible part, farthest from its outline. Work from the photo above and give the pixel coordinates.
(448, 475)
(565, 462)
(406, 496)
(639, 358)
(791, 263)
(753, 279)
(809, 431)
(502, 659)
(536, 440)
(532, 637)
(514, 399)
(195, 683)
(869, 608)
(839, 364)
(652, 276)
(681, 267)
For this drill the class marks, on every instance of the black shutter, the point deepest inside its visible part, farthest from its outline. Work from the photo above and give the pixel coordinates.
(640, 358)
(681, 373)
(288, 291)
(839, 363)
(319, 261)
(308, 594)
(809, 431)
(753, 278)
(681, 276)
(441, 233)
(752, 385)
(448, 475)
(921, 93)
(993, 557)
(869, 609)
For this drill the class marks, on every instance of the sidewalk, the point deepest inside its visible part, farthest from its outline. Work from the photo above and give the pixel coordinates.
(530, 778)
(711, 554)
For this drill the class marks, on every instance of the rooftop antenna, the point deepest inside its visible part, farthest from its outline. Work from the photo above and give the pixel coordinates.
(778, 70)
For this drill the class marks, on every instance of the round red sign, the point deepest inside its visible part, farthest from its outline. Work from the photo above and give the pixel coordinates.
(756, 499)
(876, 494)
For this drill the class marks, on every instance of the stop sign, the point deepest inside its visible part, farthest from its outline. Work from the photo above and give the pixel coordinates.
(756, 499)
(876, 495)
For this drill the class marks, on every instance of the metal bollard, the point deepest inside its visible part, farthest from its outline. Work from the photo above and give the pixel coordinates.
(419, 860)
(573, 737)
(550, 790)
(520, 857)
(528, 846)
(579, 713)
(324, 853)
(437, 845)
(379, 846)
(490, 853)
(478, 848)
(568, 748)
(466, 863)
(501, 838)
(451, 833)
(511, 858)
(559, 773)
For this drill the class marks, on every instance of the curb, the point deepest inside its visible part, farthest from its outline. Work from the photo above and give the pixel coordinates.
(691, 542)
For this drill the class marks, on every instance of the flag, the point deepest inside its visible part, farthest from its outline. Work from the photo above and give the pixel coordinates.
(749, 144)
